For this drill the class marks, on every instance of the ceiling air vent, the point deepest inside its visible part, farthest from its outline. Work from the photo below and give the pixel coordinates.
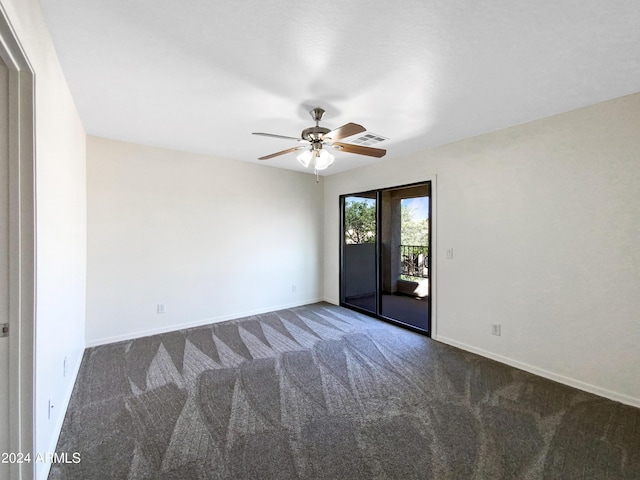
(366, 139)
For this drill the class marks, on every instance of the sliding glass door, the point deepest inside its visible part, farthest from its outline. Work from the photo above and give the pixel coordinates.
(385, 260)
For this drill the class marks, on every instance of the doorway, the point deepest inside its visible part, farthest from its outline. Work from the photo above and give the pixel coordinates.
(17, 265)
(386, 254)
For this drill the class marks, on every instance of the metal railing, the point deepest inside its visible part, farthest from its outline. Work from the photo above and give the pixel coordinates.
(414, 260)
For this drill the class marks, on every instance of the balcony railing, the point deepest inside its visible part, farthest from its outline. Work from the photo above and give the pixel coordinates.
(414, 260)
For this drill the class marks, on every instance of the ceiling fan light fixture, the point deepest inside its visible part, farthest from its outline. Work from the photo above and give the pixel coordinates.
(305, 158)
(323, 159)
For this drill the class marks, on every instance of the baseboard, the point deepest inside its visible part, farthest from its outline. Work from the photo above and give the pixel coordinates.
(196, 323)
(46, 467)
(587, 387)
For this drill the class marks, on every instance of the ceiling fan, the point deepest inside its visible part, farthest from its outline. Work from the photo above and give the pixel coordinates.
(317, 139)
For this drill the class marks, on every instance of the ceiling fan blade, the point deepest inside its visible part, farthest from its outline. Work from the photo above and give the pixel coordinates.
(276, 136)
(288, 150)
(344, 131)
(360, 150)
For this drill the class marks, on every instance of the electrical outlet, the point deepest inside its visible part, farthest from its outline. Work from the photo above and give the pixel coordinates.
(161, 308)
(450, 253)
(495, 329)
(293, 288)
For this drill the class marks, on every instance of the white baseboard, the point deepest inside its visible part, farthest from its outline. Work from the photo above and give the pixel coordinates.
(46, 467)
(196, 323)
(587, 387)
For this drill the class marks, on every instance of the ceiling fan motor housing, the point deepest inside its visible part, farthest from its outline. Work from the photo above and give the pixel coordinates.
(314, 134)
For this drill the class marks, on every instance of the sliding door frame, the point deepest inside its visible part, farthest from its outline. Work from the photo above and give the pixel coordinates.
(378, 250)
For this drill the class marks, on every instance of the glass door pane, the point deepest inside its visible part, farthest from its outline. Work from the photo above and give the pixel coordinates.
(404, 236)
(359, 266)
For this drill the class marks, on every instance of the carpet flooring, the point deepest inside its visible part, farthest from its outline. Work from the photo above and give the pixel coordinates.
(322, 392)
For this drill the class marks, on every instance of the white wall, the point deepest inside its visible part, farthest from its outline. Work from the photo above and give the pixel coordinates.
(545, 226)
(211, 239)
(60, 225)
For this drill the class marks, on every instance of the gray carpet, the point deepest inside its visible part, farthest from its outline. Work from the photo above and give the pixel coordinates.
(321, 392)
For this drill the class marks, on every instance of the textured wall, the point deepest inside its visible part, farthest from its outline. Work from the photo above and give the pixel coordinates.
(545, 228)
(211, 239)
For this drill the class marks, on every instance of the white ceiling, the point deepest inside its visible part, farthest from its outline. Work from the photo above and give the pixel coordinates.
(201, 75)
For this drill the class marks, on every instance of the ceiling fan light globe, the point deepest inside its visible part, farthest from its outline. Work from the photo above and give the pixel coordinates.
(323, 160)
(305, 158)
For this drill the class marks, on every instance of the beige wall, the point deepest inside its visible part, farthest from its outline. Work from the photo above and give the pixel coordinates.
(545, 226)
(211, 239)
(60, 226)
